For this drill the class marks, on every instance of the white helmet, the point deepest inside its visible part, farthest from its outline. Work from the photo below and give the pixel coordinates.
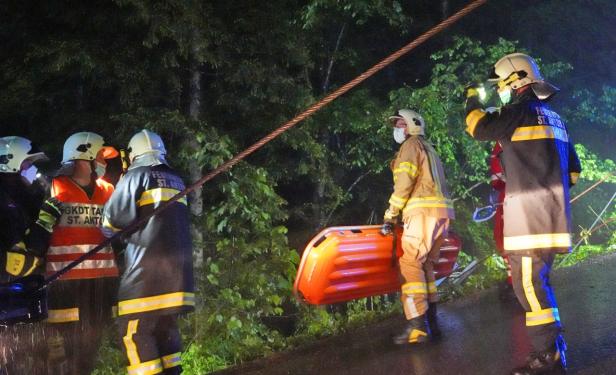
(14, 151)
(518, 70)
(415, 124)
(82, 146)
(145, 142)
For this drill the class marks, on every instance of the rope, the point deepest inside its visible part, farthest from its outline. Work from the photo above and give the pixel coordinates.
(593, 186)
(587, 233)
(260, 143)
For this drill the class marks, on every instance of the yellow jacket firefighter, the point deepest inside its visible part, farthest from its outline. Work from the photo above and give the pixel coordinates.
(419, 182)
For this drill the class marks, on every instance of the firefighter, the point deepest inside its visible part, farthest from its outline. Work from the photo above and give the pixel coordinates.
(420, 196)
(541, 165)
(497, 182)
(21, 196)
(69, 225)
(156, 284)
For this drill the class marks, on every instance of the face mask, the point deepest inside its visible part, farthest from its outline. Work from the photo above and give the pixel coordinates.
(399, 135)
(30, 173)
(100, 169)
(505, 95)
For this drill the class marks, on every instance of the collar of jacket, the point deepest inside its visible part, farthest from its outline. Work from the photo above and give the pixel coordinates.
(525, 96)
(148, 160)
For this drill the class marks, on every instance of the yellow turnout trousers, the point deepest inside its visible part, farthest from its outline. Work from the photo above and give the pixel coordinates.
(421, 242)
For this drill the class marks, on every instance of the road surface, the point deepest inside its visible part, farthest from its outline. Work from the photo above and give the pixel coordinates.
(482, 335)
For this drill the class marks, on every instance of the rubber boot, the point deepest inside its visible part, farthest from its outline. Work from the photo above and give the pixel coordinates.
(435, 331)
(416, 332)
(548, 362)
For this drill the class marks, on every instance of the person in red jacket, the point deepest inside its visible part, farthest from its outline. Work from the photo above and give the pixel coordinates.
(497, 181)
(81, 301)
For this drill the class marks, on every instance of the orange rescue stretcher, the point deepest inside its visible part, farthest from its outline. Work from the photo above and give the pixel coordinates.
(345, 263)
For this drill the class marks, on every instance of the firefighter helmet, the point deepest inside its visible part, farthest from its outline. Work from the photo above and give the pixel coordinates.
(145, 142)
(517, 70)
(14, 151)
(415, 124)
(82, 146)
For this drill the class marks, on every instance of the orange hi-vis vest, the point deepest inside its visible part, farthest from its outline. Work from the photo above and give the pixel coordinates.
(78, 230)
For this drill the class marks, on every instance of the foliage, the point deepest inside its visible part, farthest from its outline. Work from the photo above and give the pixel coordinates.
(110, 359)
(593, 167)
(582, 253)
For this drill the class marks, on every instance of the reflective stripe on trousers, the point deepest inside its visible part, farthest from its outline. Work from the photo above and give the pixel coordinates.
(531, 283)
(152, 344)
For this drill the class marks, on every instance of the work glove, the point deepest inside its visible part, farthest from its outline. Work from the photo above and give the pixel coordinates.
(471, 90)
(387, 228)
(389, 220)
(38, 236)
(50, 212)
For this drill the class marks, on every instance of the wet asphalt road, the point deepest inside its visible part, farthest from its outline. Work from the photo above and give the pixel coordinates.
(482, 335)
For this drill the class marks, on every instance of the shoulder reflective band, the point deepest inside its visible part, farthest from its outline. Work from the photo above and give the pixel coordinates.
(406, 167)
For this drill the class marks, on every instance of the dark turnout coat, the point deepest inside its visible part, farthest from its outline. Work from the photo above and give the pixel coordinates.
(540, 164)
(156, 269)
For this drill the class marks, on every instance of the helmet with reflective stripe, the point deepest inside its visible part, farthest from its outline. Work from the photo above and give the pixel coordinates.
(145, 142)
(82, 146)
(517, 70)
(415, 124)
(14, 151)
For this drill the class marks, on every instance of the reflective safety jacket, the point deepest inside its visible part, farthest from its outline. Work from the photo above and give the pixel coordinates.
(157, 274)
(78, 230)
(419, 182)
(540, 164)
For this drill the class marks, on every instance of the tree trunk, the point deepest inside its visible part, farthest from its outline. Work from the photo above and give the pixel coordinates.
(444, 9)
(319, 214)
(191, 143)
